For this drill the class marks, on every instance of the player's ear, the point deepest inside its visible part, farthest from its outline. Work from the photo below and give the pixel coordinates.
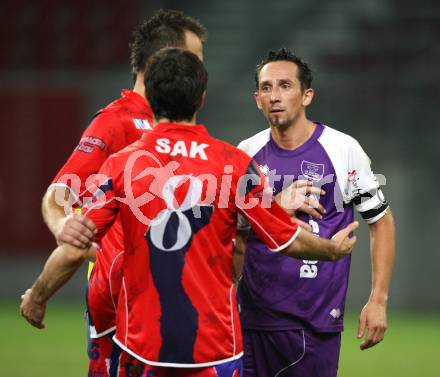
(202, 100)
(308, 97)
(257, 100)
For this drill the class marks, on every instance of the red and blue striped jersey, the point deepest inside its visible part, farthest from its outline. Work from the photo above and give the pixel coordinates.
(178, 191)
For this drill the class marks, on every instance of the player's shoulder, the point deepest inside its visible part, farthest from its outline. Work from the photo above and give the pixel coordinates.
(114, 116)
(131, 109)
(332, 138)
(120, 106)
(105, 118)
(225, 152)
(117, 162)
(218, 144)
(252, 145)
(120, 103)
(113, 109)
(125, 152)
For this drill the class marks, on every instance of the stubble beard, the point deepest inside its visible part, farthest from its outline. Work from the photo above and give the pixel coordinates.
(277, 122)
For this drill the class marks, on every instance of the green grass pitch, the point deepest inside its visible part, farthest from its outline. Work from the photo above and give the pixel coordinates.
(411, 348)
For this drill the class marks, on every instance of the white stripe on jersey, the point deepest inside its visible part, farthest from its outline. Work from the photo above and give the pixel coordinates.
(254, 144)
(337, 146)
(348, 157)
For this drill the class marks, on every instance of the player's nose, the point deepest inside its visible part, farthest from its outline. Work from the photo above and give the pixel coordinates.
(275, 95)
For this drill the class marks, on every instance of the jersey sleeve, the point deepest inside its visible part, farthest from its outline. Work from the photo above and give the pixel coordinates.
(102, 207)
(104, 136)
(363, 188)
(254, 200)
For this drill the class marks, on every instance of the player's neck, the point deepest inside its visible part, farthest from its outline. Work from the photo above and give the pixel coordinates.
(139, 86)
(189, 122)
(294, 135)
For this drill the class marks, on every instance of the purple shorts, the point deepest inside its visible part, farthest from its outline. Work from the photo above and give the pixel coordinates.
(290, 353)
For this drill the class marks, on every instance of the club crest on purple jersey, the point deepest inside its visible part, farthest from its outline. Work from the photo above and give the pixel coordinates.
(312, 171)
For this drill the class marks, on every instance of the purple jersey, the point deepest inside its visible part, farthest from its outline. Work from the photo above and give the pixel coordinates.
(280, 293)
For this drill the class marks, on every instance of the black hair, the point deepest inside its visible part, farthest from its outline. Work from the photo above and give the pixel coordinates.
(284, 54)
(166, 28)
(175, 81)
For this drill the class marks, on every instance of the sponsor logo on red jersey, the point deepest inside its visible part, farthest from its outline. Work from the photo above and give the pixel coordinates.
(88, 143)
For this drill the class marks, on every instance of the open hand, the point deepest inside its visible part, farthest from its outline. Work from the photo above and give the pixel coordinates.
(372, 324)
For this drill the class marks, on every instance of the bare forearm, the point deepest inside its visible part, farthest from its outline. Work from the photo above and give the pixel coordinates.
(308, 246)
(52, 212)
(65, 225)
(59, 268)
(373, 318)
(382, 238)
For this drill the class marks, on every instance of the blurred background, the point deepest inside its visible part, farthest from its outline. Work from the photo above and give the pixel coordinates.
(376, 76)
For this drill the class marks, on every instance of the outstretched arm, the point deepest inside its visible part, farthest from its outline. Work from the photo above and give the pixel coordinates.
(64, 261)
(308, 246)
(373, 318)
(274, 227)
(59, 268)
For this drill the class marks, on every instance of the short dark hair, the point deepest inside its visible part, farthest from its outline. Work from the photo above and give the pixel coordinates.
(175, 81)
(285, 54)
(166, 28)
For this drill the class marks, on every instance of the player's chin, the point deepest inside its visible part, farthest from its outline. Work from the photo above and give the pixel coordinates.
(277, 120)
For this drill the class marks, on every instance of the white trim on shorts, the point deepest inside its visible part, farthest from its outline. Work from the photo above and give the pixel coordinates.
(232, 318)
(297, 361)
(175, 365)
(94, 335)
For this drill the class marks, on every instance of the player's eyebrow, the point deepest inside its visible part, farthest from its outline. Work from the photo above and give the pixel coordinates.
(285, 81)
(265, 82)
(278, 81)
